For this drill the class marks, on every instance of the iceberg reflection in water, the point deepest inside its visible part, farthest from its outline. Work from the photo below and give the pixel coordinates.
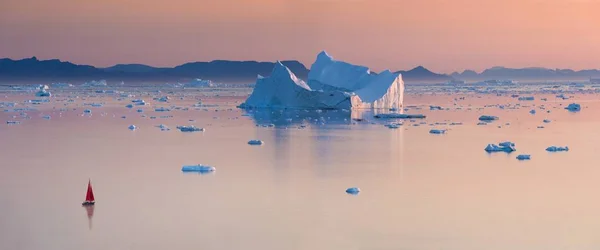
(301, 118)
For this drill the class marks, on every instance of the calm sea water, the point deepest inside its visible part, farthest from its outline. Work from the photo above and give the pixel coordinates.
(419, 190)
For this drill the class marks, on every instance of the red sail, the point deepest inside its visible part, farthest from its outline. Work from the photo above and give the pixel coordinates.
(90, 194)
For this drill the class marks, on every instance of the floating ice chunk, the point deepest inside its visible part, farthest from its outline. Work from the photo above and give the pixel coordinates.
(488, 118)
(353, 190)
(557, 149)
(481, 123)
(190, 128)
(140, 110)
(400, 116)
(506, 144)
(573, 107)
(437, 131)
(526, 98)
(198, 168)
(431, 107)
(129, 106)
(163, 127)
(13, 122)
(101, 83)
(523, 157)
(132, 127)
(47, 117)
(546, 121)
(87, 111)
(255, 142)
(532, 111)
(162, 99)
(162, 109)
(496, 148)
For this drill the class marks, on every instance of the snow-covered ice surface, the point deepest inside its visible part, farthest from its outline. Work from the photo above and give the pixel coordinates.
(421, 191)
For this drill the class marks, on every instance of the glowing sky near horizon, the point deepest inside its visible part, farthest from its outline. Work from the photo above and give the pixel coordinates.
(442, 35)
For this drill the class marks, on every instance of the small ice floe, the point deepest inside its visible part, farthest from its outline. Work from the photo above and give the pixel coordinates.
(132, 127)
(540, 127)
(140, 110)
(400, 116)
(163, 127)
(526, 98)
(190, 128)
(255, 142)
(394, 125)
(562, 96)
(573, 107)
(456, 123)
(506, 144)
(557, 149)
(502, 147)
(162, 109)
(47, 117)
(353, 190)
(431, 107)
(481, 123)
(544, 99)
(129, 106)
(488, 118)
(87, 111)
(198, 168)
(437, 131)
(523, 157)
(13, 122)
(546, 121)
(532, 111)
(163, 99)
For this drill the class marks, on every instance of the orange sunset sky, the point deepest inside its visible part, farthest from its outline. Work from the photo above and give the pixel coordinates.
(442, 35)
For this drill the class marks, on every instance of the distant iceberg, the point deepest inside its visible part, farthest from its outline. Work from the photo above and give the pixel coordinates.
(61, 85)
(331, 85)
(198, 83)
(523, 157)
(43, 91)
(101, 83)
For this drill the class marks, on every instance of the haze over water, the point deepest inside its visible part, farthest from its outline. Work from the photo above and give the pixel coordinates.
(419, 191)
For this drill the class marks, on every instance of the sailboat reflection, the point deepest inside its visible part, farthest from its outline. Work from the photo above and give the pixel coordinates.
(90, 214)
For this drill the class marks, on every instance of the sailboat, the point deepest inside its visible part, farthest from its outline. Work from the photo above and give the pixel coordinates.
(89, 197)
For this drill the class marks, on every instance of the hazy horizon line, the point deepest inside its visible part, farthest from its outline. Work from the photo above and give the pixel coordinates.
(283, 60)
